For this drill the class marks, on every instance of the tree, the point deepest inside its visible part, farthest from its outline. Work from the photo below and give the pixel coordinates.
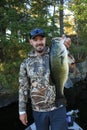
(61, 17)
(79, 8)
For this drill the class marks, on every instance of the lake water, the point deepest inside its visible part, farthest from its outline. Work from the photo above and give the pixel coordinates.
(9, 118)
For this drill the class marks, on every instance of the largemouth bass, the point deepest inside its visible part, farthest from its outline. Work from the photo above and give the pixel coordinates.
(59, 68)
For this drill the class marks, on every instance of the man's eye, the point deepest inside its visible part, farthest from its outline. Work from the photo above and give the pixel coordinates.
(35, 39)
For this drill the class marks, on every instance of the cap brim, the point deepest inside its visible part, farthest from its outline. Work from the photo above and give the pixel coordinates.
(38, 34)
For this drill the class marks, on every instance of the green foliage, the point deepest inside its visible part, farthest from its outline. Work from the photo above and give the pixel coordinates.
(9, 76)
(14, 54)
(79, 52)
(79, 8)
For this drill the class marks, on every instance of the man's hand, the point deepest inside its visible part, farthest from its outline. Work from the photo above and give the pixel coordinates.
(23, 118)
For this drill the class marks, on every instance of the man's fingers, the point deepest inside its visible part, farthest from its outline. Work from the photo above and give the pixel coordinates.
(23, 119)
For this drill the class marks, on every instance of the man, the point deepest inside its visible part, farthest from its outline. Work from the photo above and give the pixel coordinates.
(35, 78)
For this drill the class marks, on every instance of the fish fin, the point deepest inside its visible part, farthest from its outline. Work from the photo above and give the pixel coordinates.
(62, 59)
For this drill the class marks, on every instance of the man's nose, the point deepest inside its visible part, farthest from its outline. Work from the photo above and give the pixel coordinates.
(39, 41)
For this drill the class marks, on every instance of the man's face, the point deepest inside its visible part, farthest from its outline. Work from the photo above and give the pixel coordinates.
(38, 43)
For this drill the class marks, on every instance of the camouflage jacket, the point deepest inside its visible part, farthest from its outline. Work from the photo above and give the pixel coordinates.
(35, 76)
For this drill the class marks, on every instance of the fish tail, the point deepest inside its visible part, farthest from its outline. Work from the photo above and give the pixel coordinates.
(61, 101)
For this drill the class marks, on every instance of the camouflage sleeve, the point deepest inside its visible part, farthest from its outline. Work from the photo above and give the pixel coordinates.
(23, 88)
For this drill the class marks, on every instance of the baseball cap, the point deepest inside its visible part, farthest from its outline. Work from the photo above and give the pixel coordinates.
(37, 31)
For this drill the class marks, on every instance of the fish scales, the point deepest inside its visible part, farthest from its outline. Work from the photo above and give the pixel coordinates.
(59, 68)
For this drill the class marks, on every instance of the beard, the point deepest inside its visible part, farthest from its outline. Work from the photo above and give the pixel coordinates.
(40, 48)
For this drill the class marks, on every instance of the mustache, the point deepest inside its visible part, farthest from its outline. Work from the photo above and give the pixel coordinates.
(39, 45)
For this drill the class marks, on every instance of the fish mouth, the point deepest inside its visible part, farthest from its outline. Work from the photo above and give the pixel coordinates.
(56, 38)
